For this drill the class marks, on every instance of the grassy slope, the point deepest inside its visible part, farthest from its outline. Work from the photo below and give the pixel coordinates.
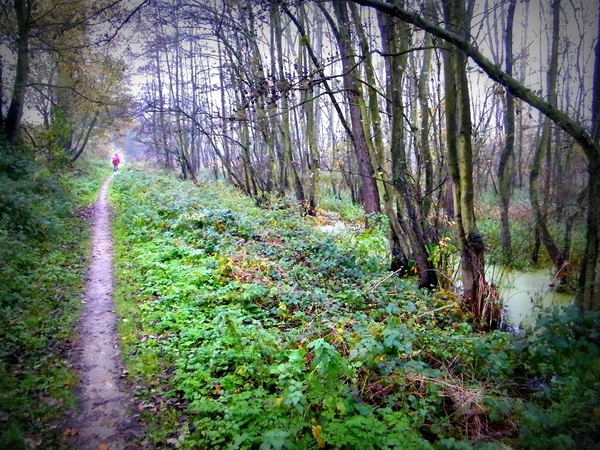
(247, 328)
(43, 257)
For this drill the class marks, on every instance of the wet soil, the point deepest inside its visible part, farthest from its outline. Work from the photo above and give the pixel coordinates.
(104, 419)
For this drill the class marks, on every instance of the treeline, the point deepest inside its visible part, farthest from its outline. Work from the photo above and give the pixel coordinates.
(394, 105)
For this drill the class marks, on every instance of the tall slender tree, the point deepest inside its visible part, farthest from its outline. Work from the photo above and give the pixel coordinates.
(354, 93)
(504, 178)
(12, 121)
(408, 210)
(457, 15)
(544, 148)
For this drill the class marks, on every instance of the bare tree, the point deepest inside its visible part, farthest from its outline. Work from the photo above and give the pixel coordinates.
(589, 280)
(504, 178)
(354, 93)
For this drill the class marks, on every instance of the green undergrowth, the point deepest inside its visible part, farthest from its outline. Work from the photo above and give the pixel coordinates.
(43, 256)
(344, 208)
(522, 229)
(250, 328)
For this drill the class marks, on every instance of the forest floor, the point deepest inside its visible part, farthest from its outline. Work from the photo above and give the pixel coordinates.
(104, 419)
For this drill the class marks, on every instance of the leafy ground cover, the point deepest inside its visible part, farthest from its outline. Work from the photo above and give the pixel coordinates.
(43, 256)
(250, 328)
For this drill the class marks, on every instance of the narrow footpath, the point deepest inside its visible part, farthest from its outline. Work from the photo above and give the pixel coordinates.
(104, 419)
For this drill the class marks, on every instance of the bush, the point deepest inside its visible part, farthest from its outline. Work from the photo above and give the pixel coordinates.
(247, 328)
(561, 355)
(42, 263)
(31, 200)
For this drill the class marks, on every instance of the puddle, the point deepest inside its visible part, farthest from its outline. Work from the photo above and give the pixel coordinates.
(525, 293)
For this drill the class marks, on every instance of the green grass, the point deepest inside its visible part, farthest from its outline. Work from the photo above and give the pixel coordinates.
(345, 210)
(84, 179)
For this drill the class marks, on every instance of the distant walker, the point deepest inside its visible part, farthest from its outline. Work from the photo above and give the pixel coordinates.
(115, 161)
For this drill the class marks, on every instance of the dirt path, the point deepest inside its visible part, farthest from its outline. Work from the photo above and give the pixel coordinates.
(104, 420)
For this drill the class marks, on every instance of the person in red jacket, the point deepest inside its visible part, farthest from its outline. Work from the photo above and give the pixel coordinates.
(116, 161)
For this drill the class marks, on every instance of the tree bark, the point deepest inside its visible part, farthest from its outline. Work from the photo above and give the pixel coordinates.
(311, 114)
(395, 43)
(544, 147)
(226, 158)
(370, 192)
(423, 96)
(373, 129)
(286, 140)
(17, 102)
(80, 148)
(588, 297)
(504, 178)
(460, 160)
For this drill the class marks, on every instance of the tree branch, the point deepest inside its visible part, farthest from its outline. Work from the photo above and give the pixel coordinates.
(560, 118)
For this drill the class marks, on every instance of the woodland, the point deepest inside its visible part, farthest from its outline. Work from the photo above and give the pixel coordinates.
(311, 196)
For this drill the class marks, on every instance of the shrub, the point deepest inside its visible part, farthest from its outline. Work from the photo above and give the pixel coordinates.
(42, 262)
(249, 329)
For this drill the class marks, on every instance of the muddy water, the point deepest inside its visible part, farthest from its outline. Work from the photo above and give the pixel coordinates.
(524, 294)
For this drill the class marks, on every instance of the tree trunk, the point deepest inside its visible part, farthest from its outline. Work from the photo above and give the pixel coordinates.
(226, 159)
(370, 192)
(504, 178)
(460, 161)
(373, 128)
(423, 96)
(544, 147)
(2, 96)
(286, 140)
(79, 150)
(395, 43)
(17, 102)
(588, 297)
(311, 115)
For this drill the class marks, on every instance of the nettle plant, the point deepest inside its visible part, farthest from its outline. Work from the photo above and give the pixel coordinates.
(248, 328)
(43, 259)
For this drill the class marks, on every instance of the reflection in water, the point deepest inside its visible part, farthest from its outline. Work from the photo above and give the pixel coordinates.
(524, 293)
